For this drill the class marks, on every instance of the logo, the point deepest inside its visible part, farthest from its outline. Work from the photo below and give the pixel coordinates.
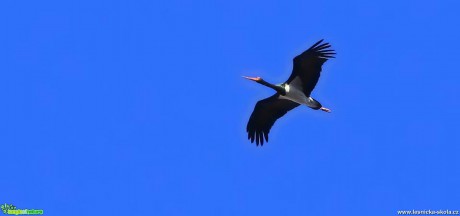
(12, 210)
(6, 207)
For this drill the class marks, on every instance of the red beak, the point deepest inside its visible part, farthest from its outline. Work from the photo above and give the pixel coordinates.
(252, 78)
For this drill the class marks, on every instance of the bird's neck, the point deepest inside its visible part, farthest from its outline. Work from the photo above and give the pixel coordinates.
(278, 89)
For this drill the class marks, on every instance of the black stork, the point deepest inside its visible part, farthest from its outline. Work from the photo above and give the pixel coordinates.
(290, 94)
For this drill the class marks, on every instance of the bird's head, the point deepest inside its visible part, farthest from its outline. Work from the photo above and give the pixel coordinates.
(256, 79)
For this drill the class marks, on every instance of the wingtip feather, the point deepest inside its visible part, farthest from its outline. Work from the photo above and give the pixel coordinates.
(314, 45)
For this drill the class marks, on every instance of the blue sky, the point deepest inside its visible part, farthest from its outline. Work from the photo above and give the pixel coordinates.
(139, 108)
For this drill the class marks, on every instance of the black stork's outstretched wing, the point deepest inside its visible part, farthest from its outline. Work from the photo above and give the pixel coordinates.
(307, 67)
(265, 113)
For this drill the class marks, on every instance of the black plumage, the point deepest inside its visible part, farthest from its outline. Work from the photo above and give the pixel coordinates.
(304, 77)
(307, 67)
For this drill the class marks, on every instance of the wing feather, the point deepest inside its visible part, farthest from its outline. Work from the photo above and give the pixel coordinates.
(265, 114)
(307, 67)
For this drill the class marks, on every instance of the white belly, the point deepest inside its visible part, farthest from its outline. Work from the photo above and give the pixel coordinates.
(295, 95)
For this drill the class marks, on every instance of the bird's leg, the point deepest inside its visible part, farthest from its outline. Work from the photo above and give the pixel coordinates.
(325, 109)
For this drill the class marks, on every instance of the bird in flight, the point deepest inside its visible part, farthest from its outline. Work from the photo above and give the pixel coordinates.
(290, 94)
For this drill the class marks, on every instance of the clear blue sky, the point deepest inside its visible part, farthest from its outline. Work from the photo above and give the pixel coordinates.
(139, 108)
